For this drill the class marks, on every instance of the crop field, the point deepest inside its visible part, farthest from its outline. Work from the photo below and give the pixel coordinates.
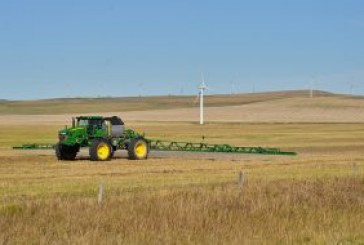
(179, 197)
(315, 197)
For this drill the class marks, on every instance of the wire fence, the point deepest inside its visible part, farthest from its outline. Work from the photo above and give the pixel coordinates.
(157, 182)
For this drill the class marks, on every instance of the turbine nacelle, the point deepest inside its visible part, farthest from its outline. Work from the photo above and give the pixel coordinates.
(202, 86)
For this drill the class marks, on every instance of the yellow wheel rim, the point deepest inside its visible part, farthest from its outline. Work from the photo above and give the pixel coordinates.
(103, 151)
(140, 150)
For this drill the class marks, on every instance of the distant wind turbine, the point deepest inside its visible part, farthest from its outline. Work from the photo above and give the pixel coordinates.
(141, 89)
(233, 87)
(352, 87)
(202, 87)
(313, 84)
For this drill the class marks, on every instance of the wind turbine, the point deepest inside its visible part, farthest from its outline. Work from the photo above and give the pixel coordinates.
(141, 89)
(352, 87)
(234, 84)
(202, 87)
(233, 87)
(313, 84)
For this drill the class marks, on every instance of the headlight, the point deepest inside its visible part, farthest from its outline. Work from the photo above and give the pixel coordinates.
(62, 137)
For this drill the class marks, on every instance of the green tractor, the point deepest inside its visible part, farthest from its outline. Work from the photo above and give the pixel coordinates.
(103, 136)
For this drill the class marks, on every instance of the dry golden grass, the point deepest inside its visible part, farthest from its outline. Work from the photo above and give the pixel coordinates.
(281, 212)
(316, 197)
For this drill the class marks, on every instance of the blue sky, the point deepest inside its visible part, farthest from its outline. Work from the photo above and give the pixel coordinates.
(67, 48)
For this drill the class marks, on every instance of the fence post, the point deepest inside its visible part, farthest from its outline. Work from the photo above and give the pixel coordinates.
(356, 169)
(241, 180)
(101, 194)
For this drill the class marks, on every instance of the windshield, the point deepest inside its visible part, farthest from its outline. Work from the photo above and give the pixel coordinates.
(90, 124)
(82, 123)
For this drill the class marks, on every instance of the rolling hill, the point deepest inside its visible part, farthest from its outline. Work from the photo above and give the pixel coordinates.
(122, 104)
(270, 107)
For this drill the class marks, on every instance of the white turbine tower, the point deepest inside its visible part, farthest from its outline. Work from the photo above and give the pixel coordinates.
(202, 87)
(233, 87)
(352, 87)
(313, 85)
(311, 88)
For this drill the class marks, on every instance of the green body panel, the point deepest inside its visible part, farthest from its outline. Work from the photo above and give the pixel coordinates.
(73, 136)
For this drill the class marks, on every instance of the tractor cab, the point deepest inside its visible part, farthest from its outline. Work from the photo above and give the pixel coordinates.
(91, 124)
(111, 127)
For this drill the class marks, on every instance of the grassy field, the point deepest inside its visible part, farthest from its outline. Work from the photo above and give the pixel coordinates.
(316, 197)
(274, 107)
(92, 105)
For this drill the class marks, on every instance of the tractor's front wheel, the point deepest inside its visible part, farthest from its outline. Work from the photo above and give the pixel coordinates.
(138, 149)
(100, 150)
(64, 152)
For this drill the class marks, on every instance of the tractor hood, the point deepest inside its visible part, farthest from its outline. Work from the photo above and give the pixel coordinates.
(71, 136)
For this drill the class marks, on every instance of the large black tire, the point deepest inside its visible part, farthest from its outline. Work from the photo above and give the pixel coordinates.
(138, 149)
(100, 150)
(67, 153)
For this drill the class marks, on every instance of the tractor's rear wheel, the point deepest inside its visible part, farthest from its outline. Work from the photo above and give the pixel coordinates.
(138, 149)
(100, 150)
(65, 152)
